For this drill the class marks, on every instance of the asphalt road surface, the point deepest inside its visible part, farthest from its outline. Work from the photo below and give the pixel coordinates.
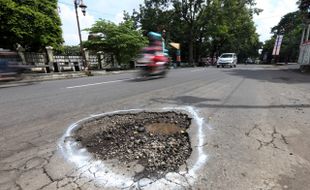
(257, 136)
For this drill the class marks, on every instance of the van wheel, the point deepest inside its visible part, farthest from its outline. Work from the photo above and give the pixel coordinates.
(217, 66)
(222, 66)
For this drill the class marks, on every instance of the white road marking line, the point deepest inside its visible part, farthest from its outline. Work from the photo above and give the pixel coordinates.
(196, 70)
(98, 83)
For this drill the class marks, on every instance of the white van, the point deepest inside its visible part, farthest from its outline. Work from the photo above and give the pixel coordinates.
(227, 59)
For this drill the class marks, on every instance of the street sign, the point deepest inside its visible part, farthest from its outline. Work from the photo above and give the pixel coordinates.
(277, 45)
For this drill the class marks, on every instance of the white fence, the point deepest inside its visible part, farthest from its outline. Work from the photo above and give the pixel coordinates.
(61, 63)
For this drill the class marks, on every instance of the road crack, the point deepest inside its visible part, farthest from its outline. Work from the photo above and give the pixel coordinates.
(274, 136)
(251, 130)
(48, 175)
(18, 186)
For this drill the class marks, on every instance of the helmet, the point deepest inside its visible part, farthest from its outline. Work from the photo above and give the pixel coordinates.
(154, 36)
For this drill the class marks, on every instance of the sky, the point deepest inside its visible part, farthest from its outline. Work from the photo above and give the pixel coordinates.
(112, 10)
(273, 10)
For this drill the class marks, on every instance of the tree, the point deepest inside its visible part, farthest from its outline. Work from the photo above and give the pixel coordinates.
(288, 23)
(190, 11)
(122, 40)
(291, 27)
(153, 15)
(267, 49)
(228, 26)
(204, 27)
(69, 50)
(32, 23)
(304, 6)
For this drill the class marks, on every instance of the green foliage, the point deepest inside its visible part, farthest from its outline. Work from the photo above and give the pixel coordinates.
(291, 27)
(122, 40)
(288, 23)
(70, 50)
(191, 11)
(234, 30)
(304, 7)
(32, 23)
(153, 15)
(268, 48)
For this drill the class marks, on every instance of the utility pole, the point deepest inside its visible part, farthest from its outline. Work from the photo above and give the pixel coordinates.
(77, 4)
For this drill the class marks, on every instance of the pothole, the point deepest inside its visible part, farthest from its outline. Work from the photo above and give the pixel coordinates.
(138, 149)
(157, 141)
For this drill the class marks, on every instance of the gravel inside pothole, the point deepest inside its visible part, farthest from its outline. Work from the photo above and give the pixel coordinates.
(156, 140)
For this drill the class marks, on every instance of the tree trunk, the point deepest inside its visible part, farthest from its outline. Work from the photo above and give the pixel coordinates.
(191, 47)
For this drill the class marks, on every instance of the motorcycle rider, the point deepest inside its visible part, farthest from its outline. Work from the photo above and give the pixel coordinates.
(153, 54)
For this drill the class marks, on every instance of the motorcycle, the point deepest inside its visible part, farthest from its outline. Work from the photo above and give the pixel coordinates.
(152, 63)
(11, 72)
(10, 67)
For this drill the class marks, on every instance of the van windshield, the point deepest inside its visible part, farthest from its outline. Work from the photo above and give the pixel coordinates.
(226, 56)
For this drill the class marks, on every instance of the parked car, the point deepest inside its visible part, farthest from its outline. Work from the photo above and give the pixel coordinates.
(227, 59)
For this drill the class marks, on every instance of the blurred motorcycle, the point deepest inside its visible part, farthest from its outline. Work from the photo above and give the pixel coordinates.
(153, 61)
(10, 67)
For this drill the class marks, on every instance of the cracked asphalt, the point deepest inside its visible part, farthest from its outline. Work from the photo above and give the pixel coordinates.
(256, 134)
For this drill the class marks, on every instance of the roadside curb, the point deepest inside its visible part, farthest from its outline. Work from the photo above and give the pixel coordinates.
(39, 77)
